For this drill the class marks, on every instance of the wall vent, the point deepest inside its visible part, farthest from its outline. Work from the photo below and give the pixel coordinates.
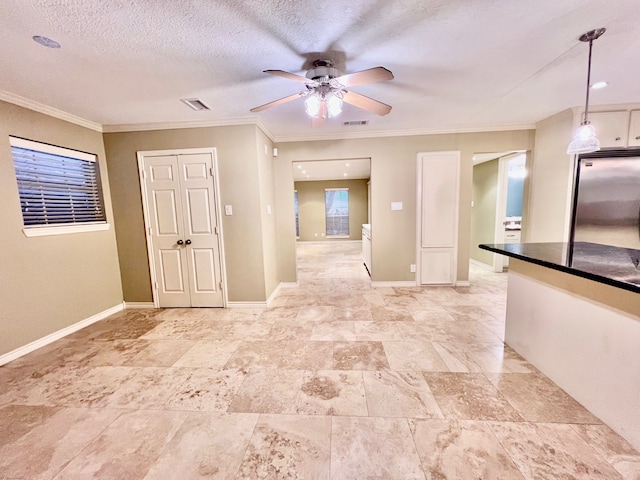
(356, 122)
(195, 104)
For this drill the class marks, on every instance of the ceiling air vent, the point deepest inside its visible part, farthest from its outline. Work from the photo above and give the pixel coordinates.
(356, 122)
(195, 103)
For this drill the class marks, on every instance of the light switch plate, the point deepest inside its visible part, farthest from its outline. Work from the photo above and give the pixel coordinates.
(228, 210)
(268, 209)
(396, 205)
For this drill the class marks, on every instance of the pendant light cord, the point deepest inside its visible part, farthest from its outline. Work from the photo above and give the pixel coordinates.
(586, 104)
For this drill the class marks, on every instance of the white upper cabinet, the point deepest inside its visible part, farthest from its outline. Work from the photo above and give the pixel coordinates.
(611, 128)
(634, 129)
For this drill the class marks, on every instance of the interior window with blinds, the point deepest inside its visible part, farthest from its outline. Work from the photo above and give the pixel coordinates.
(57, 186)
(336, 204)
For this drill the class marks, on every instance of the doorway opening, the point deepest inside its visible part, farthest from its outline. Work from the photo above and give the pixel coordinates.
(332, 208)
(497, 205)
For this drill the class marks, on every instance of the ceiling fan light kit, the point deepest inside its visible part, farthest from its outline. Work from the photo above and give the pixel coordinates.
(585, 139)
(326, 90)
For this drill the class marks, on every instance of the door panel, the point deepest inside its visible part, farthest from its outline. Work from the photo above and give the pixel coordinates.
(166, 216)
(198, 214)
(165, 211)
(171, 271)
(181, 199)
(203, 281)
(200, 225)
(438, 193)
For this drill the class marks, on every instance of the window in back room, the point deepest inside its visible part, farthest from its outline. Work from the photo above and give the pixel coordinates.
(337, 212)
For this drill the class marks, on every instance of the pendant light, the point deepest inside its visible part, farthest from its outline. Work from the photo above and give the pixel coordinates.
(585, 140)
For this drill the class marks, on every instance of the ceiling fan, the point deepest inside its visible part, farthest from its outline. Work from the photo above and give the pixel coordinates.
(326, 89)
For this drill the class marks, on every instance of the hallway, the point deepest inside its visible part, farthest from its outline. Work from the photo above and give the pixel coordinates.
(335, 379)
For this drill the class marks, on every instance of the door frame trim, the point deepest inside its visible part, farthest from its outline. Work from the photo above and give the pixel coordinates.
(146, 214)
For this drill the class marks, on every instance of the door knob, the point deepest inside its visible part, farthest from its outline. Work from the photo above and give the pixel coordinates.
(188, 242)
(180, 242)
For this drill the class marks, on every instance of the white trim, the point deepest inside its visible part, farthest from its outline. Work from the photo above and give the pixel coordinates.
(246, 304)
(481, 265)
(64, 229)
(47, 110)
(133, 305)
(53, 149)
(218, 212)
(463, 283)
(501, 209)
(52, 337)
(274, 293)
(395, 284)
(320, 242)
(140, 127)
(397, 133)
(229, 122)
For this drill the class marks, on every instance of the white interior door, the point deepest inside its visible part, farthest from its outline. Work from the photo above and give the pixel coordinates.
(182, 228)
(437, 217)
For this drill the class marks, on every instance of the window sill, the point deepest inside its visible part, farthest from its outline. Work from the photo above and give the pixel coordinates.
(64, 229)
(338, 236)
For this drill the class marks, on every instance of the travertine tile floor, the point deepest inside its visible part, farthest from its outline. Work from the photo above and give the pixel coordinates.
(335, 379)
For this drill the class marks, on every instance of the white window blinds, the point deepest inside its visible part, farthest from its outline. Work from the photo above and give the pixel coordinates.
(57, 186)
(337, 212)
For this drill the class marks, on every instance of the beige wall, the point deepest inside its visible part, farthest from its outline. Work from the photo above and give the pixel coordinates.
(49, 283)
(483, 217)
(240, 186)
(268, 211)
(393, 179)
(311, 201)
(546, 207)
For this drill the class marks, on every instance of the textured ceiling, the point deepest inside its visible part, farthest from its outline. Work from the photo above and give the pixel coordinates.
(458, 65)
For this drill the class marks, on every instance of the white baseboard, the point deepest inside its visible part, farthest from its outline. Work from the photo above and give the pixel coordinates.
(52, 337)
(394, 284)
(480, 264)
(130, 305)
(274, 293)
(329, 240)
(246, 304)
(463, 283)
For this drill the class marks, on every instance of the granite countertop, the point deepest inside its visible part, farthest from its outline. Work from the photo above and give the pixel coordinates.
(616, 266)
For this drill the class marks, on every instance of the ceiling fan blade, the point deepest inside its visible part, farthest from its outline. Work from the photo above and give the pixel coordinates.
(277, 102)
(290, 76)
(366, 103)
(372, 75)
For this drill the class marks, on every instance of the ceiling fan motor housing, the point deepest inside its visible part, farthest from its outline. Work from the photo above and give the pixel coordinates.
(323, 68)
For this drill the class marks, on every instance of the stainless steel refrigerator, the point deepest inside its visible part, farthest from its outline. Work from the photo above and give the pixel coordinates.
(606, 206)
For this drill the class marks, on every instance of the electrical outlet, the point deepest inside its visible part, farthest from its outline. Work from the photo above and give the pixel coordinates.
(412, 268)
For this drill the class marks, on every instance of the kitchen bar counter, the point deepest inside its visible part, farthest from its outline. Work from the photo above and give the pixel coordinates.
(574, 313)
(615, 266)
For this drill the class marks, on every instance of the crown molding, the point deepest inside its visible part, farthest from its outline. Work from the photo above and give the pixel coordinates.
(253, 120)
(142, 127)
(398, 133)
(47, 110)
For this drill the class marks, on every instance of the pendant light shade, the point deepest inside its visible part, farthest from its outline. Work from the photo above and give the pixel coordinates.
(585, 140)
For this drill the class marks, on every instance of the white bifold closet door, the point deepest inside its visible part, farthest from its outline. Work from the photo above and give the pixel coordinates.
(182, 229)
